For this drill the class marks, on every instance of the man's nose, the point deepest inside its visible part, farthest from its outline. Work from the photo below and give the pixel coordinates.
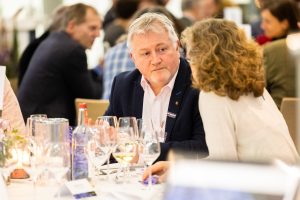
(97, 33)
(155, 58)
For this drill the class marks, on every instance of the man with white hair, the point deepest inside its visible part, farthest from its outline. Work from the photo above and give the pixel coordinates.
(159, 90)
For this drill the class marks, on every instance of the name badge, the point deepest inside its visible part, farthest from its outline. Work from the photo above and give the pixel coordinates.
(172, 115)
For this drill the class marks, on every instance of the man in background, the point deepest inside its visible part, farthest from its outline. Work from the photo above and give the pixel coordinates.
(57, 73)
(191, 11)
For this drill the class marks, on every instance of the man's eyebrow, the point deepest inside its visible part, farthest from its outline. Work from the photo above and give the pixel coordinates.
(147, 49)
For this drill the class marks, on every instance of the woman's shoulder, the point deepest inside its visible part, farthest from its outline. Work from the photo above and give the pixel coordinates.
(211, 100)
(212, 96)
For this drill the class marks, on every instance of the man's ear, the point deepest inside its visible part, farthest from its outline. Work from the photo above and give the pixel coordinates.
(131, 56)
(70, 26)
(178, 45)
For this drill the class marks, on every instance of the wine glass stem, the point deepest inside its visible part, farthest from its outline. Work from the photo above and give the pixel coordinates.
(108, 167)
(59, 188)
(149, 179)
(34, 189)
(126, 173)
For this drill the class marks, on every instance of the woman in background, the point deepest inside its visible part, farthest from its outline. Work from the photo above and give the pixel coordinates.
(279, 18)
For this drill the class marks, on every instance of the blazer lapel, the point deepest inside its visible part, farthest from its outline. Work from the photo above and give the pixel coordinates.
(138, 97)
(176, 98)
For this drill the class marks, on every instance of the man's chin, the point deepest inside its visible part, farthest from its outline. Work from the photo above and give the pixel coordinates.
(88, 47)
(160, 80)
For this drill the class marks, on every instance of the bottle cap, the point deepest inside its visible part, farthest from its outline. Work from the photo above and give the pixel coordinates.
(82, 105)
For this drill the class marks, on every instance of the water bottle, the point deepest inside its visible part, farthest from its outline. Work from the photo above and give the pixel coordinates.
(80, 137)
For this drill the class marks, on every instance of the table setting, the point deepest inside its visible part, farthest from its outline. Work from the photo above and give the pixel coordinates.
(47, 161)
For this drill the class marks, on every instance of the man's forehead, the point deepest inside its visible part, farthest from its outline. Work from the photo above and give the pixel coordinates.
(157, 35)
(153, 45)
(144, 43)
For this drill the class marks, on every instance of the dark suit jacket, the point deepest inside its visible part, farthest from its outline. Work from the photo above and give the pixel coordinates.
(27, 55)
(183, 125)
(56, 75)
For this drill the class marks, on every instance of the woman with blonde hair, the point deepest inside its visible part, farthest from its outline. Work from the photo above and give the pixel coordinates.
(240, 119)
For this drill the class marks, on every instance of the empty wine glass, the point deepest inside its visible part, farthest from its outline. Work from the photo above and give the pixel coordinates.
(160, 129)
(30, 124)
(34, 160)
(108, 125)
(149, 149)
(56, 162)
(126, 123)
(141, 126)
(10, 162)
(97, 150)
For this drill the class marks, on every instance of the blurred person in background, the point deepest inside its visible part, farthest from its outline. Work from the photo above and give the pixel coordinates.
(124, 10)
(57, 73)
(279, 18)
(214, 8)
(280, 65)
(110, 15)
(158, 90)
(256, 31)
(27, 54)
(191, 12)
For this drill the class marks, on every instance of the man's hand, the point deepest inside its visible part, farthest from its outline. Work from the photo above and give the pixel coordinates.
(159, 168)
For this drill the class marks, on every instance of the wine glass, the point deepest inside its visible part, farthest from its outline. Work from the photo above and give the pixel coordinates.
(126, 149)
(10, 163)
(97, 150)
(56, 162)
(34, 160)
(160, 129)
(30, 124)
(108, 125)
(141, 126)
(149, 149)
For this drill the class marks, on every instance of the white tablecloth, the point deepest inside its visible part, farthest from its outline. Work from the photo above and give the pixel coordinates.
(3, 191)
(108, 190)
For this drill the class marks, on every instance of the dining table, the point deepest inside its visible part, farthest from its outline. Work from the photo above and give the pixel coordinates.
(106, 187)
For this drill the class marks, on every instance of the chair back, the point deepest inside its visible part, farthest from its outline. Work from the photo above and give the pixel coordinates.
(288, 108)
(95, 107)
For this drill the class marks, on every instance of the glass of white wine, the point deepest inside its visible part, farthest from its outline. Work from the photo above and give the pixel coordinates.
(127, 148)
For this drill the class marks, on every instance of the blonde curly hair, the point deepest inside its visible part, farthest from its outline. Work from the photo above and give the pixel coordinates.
(223, 60)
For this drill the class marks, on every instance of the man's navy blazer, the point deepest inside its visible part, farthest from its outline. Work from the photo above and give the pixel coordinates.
(183, 125)
(56, 75)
